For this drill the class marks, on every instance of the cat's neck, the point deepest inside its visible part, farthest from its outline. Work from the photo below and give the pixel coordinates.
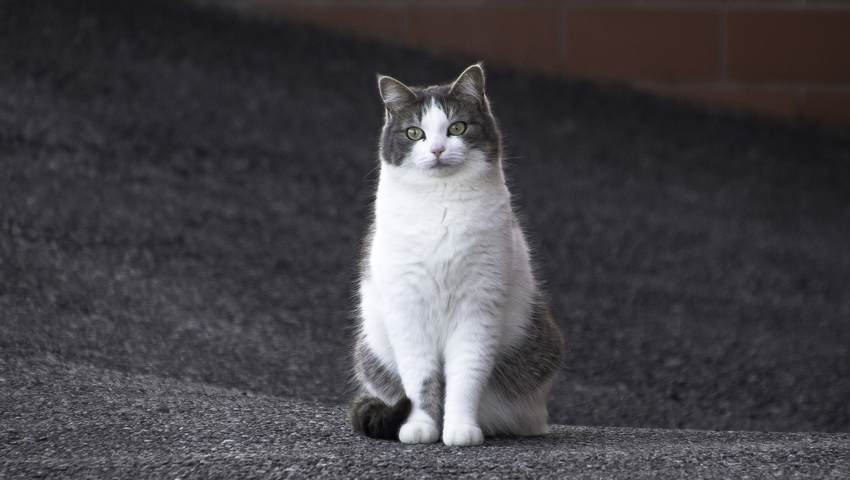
(479, 180)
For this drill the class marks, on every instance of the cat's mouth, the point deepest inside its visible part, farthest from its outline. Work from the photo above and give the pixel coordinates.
(441, 169)
(442, 164)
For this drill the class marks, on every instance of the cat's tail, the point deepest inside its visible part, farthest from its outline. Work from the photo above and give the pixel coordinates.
(372, 417)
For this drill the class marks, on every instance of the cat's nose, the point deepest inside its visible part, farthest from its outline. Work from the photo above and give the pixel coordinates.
(437, 150)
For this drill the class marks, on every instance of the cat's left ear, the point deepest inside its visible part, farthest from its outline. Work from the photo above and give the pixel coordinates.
(470, 83)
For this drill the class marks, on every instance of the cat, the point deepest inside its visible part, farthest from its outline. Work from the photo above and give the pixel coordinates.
(455, 339)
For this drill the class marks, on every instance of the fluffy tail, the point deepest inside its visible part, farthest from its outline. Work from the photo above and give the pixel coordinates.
(372, 417)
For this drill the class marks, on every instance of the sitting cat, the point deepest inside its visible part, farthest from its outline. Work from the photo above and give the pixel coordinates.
(454, 335)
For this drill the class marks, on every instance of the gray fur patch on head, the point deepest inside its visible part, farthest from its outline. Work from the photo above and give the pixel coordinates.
(462, 100)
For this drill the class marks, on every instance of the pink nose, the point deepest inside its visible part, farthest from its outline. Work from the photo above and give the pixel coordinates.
(437, 150)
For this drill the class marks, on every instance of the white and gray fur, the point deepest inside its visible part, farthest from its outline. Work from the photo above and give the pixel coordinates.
(455, 340)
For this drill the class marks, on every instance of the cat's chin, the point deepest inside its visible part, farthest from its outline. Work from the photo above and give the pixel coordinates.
(442, 171)
(436, 168)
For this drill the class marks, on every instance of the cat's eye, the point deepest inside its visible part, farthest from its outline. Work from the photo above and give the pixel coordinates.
(457, 128)
(415, 133)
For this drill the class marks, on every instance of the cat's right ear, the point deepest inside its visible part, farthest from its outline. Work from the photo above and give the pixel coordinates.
(396, 95)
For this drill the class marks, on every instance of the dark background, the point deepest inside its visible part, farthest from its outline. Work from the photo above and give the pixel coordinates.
(184, 192)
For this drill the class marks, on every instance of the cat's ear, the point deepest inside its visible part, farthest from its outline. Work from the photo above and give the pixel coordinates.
(396, 95)
(470, 83)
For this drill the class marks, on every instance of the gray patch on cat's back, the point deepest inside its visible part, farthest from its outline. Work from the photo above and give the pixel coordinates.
(370, 371)
(525, 367)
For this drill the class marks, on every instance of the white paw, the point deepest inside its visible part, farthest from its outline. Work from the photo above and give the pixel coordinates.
(462, 436)
(418, 432)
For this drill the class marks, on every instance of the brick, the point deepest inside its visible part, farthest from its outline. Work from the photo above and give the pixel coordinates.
(778, 102)
(524, 37)
(638, 43)
(385, 22)
(827, 106)
(789, 45)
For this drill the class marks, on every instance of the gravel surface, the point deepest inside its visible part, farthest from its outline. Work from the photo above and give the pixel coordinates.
(183, 195)
(77, 421)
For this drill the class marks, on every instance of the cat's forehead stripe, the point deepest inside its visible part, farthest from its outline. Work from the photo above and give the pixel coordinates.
(431, 98)
(434, 117)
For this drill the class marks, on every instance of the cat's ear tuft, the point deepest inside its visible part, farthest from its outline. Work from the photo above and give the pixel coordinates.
(470, 83)
(395, 94)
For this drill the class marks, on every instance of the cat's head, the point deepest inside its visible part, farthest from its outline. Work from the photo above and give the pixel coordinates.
(439, 130)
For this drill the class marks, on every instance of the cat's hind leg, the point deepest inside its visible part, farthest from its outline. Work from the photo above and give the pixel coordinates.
(514, 401)
(522, 415)
(381, 407)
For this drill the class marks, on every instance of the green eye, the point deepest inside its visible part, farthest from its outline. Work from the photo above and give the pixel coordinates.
(415, 133)
(457, 128)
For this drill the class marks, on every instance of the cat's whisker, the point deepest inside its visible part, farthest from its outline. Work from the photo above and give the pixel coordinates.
(370, 172)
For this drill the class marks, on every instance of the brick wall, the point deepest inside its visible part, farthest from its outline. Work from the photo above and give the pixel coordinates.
(782, 58)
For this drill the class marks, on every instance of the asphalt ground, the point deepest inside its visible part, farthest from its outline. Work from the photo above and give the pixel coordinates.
(74, 421)
(183, 196)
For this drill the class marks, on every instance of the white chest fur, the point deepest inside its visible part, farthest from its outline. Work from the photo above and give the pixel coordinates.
(449, 249)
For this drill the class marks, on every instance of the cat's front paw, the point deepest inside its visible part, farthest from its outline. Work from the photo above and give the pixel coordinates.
(462, 436)
(418, 432)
